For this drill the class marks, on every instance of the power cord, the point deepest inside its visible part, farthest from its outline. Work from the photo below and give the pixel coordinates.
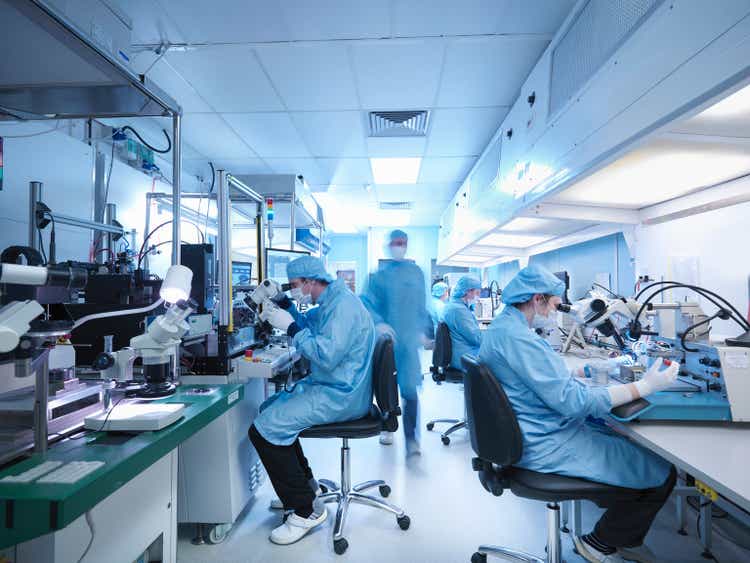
(90, 522)
(160, 151)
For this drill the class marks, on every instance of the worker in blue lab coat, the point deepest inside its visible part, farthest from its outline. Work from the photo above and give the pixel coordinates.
(462, 324)
(554, 409)
(396, 298)
(338, 338)
(437, 303)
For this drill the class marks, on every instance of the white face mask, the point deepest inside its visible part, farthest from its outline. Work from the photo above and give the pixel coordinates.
(300, 297)
(540, 320)
(397, 252)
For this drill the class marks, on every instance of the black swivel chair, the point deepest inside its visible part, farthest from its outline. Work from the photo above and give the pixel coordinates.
(382, 416)
(496, 439)
(442, 371)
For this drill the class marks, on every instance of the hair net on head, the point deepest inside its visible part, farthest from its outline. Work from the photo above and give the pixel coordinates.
(397, 234)
(530, 281)
(439, 289)
(308, 267)
(464, 284)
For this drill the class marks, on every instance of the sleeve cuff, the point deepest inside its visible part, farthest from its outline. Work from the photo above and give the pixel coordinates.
(293, 329)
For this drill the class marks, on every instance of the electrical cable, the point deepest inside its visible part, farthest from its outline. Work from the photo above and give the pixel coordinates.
(90, 522)
(120, 313)
(612, 293)
(41, 244)
(160, 151)
(721, 313)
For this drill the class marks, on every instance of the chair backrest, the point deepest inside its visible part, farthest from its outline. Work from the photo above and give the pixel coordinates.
(441, 353)
(493, 427)
(384, 384)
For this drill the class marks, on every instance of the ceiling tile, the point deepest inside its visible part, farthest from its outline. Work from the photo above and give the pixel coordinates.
(494, 67)
(463, 132)
(447, 169)
(307, 167)
(269, 134)
(230, 21)
(396, 146)
(398, 74)
(533, 16)
(420, 194)
(332, 134)
(228, 77)
(311, 77)
(354, 19)
(213, 138)
(415, 18)
(172, 82)
(351, 171)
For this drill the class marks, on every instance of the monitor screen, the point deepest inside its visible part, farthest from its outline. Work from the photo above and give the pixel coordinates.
(241, 273)
(276, 261)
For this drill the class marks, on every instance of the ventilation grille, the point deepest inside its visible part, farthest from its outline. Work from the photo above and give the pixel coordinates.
(596, 33)
(391, 205)
(399, 123)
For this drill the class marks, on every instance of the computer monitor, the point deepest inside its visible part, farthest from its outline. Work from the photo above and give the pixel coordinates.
(564, 277)
(241, 273)
(276, 261)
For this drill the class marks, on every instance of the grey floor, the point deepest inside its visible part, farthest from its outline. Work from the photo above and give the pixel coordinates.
(450, 511)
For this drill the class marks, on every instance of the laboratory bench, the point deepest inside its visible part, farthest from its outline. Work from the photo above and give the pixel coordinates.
(129, 498)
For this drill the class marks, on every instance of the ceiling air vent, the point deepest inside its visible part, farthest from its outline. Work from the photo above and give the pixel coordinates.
(391, 205)
(399, 123)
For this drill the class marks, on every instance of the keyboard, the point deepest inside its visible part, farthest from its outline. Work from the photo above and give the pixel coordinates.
(71, 472)
(30, 474)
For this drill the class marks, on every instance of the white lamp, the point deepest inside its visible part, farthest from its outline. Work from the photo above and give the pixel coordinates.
(177, 283)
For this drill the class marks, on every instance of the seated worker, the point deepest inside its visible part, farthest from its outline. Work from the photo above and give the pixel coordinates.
(464, 328)
(338, 338)
(437, 303)
(553, 407)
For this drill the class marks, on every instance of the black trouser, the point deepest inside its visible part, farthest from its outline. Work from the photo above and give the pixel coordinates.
(289, 471)
(629, 517)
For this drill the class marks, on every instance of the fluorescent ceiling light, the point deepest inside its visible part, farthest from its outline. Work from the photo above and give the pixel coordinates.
(470, 258)
(512, 240)
(395, 170)
(660, 171)
(736, 105)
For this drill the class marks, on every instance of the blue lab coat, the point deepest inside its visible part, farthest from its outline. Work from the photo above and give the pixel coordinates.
(395, 295)
(436, 312)
(552, 409)
(338, 338)
(466, 335)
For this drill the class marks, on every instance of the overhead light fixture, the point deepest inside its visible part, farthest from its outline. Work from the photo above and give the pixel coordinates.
(660, 171)
(396, 170)
(736, 105)
(470, 258)
(509, 240)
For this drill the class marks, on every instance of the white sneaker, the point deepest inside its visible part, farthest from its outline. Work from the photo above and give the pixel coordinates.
(593, 555)
(386, 438)
(294, 528)
(276, 503)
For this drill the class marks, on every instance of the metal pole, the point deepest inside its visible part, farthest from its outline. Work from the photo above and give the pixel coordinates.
(41, 395)
(176, 174)
(260, 241)
(110, 215)
(225, 248)
(292, 223)
(99, 189)
(35, 194)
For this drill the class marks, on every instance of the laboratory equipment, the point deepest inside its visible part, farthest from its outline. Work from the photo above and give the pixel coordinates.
(135, 416)
(266, 362)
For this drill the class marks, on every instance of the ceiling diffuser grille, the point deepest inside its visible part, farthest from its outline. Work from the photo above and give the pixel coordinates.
(389, 205)
(398, 123)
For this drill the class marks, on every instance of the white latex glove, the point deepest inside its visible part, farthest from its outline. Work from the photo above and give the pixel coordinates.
(385, 328)
(657, 379)
(277, 318)
(267, 289)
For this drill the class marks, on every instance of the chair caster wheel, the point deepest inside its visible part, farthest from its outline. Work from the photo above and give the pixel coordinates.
(340, 546)
(430, 425)
(446, 440)
(479, 558)
(404, 522)
(385, 490)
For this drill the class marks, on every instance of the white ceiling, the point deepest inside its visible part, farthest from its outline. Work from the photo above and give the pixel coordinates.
(284, 86)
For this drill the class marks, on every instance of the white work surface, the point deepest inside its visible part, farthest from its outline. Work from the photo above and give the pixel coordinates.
(716, 453)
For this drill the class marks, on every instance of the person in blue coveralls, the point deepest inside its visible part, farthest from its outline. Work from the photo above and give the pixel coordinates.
(396, 297)
(466, 335)
(338, 338)
(555, 412)
(437, 303)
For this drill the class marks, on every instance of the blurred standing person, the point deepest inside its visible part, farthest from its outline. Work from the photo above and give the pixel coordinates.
(395, 296)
